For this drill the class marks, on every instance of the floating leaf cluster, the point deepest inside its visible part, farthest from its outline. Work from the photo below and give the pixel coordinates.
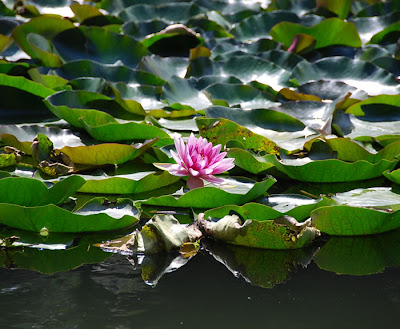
(303, 95)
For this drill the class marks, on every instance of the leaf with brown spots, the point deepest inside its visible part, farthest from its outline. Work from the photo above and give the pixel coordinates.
(221, 131)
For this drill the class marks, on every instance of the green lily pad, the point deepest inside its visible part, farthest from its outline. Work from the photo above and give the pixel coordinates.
(115, 73)
(274, 206)
(126, 179)
(284, 130)
(75, 106)
(95, 216)
(386, 34)
(178, 90)
(331, 89)
(31, 192)
(360, 212)
(21, 137)
(249, 161)
(362, 75)
(341, 8)
(341, 33)
(357, 128)
(43, 27)
(388, 108)
(330, 170)
(246, 97)
(256, 27)
(101, 154)
(106, 47)
(169, 12)
(237, 192)
(369, 27)
(246, 68)
(104, 127)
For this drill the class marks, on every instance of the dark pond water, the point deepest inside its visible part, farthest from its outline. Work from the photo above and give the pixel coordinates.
(204, 293)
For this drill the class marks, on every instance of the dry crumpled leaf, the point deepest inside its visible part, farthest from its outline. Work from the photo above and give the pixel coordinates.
(161, 233)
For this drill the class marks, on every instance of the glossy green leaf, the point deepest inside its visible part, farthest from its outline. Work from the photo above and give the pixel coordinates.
(249, 161)
(83, 12)
(246, 97)
(114, 131)
(331, 170)
(75, 106)
(371, 26)
(385, 35)
(114, 73)
(360, 212)
(340, 8)
(365, 130)
(105, 46)
(341, 33)
(178, 90)
(126, 180)
(378, 108)
(25, 85)
(273, 206)
(258, 26)
(349, 220)
(45, 26)
(362, 75)
(284, 130)
(172, 13)
(31, 192)
(97, 215)
(237, 192)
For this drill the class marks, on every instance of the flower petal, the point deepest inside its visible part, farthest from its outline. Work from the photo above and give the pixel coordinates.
(194, 182)
(213, 179)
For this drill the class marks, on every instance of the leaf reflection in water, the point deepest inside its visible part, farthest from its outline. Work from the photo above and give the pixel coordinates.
(362, 255)
(260, 267)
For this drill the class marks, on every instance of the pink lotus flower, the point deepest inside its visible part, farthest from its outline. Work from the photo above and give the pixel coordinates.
(199, 160)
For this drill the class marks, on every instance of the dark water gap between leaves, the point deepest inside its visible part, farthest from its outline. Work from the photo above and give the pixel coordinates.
(112, 295)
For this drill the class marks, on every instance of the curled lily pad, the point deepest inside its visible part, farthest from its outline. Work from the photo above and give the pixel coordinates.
(253, 233)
